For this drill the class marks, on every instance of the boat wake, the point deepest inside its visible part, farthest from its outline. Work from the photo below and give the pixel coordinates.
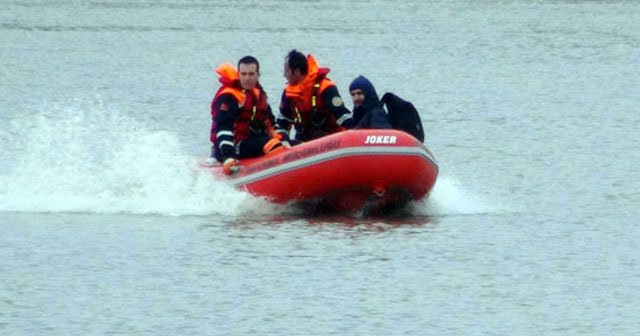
(86, 158)
(450, 198)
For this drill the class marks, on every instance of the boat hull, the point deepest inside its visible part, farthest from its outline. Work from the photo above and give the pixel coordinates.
(348, 171)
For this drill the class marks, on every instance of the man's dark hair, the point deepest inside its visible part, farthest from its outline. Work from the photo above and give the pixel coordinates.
(249, 60)
(297, 61)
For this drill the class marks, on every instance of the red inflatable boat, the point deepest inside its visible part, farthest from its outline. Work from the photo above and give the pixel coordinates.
(351, 171)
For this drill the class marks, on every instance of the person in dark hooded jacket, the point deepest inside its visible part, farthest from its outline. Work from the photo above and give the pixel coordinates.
(368, 111)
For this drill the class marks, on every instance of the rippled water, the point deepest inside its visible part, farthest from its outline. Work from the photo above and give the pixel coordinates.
(530, 107)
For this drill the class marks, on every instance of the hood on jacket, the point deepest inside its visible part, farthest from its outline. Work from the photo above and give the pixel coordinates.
(371, 99)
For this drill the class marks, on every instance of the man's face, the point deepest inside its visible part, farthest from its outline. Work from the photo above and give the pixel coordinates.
(357, 96)
(248, 75)
(293, 77)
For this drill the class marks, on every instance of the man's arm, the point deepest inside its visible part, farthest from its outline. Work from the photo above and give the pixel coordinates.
(225, 120)
(284, 120)
(333, 102)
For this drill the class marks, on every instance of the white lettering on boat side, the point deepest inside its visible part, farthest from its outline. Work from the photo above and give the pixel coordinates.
(380, 139)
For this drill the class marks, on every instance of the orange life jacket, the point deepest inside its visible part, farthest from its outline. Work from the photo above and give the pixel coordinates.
(253, 104)
(306, 102)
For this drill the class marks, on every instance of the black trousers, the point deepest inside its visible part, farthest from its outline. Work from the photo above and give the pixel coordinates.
(249, 148)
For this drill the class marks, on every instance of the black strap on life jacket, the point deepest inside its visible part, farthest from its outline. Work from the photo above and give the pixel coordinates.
(314, 96)
(317, 119)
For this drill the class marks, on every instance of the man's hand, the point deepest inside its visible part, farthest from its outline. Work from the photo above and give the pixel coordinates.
(230, 166)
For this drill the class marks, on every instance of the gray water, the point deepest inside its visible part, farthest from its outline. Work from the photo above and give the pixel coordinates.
(530, 107)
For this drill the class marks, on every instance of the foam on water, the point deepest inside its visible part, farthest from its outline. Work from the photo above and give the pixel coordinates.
(450, 197)
(85, 158)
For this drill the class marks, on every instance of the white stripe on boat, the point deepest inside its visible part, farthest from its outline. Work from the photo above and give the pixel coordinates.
(296, 164)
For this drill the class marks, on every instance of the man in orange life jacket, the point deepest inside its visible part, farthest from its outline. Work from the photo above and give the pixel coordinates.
(242, 121)
(311, 106)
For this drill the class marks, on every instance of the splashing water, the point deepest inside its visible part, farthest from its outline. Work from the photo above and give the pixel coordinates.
(85, 158)
(449, 197)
